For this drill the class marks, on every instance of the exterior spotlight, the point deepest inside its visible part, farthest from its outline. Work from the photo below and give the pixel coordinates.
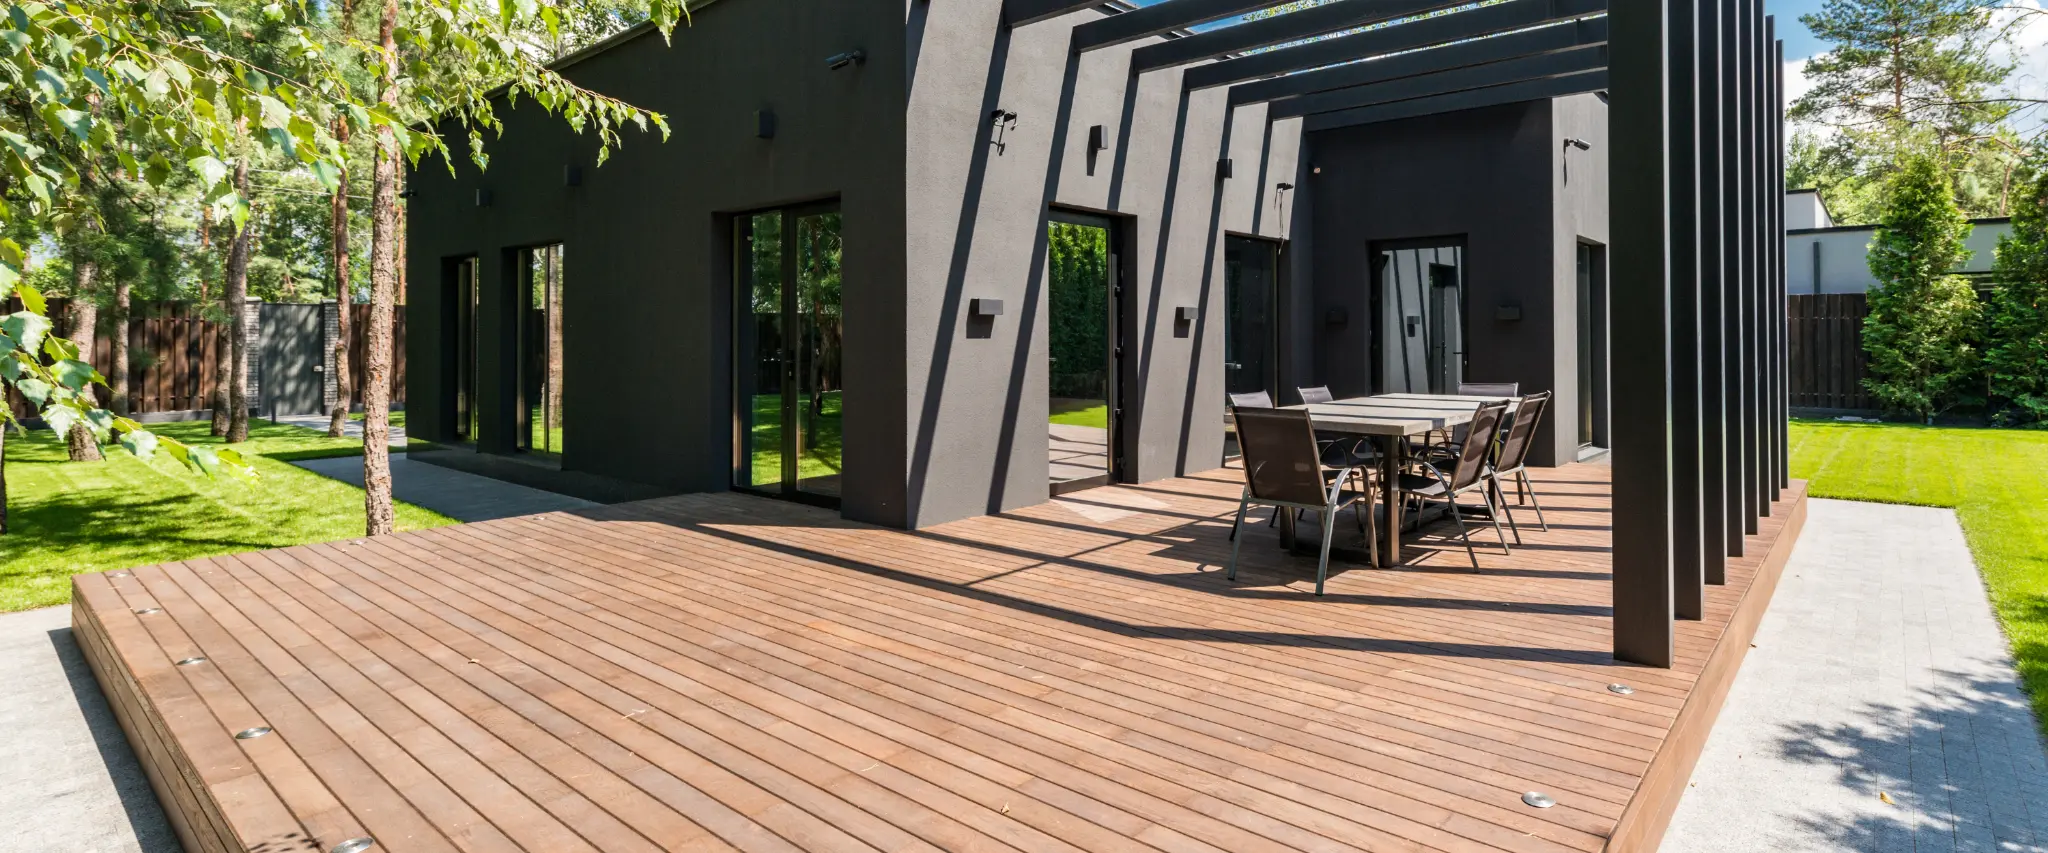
(1284, 186)
(851, 57)
(1575, 142)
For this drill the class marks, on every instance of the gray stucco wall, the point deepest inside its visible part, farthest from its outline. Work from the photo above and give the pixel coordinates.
(648, 297)
(976, 393)
(1580, 181)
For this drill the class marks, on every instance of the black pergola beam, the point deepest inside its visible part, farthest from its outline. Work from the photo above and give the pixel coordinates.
(1639, 300)
(1522, 69)
(1477, 52)
(1163, 17)
(1279, 29)
(1527, 90)
(1428, 32)
(1017, 13)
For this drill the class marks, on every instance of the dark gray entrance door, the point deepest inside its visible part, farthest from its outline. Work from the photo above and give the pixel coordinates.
(292, 382)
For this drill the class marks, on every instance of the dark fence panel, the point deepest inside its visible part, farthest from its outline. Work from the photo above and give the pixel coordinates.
(1827, 363)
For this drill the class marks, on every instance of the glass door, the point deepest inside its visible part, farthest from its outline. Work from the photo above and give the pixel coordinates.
(1592, 346)
(1421, 306)
(1250, 267)
(790, 339)
(464, 342)
(540, 350)
(1081, 272)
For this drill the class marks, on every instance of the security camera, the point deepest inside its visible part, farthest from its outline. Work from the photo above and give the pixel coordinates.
(841, 60)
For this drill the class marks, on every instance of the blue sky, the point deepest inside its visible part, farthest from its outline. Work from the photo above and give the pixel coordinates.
(1799, 44)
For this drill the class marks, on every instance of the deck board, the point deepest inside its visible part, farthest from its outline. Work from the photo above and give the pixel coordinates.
(715, 672)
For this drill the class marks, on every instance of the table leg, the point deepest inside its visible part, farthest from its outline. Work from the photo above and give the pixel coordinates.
(1286, 515)
(1391, 449)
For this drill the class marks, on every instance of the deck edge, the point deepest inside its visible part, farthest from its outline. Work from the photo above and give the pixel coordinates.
(163, 763)
(1649, 812)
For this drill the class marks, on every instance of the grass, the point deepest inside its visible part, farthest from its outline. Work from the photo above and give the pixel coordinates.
(1090, 413)
(822, 451)
(69, 518)
(1997, 482)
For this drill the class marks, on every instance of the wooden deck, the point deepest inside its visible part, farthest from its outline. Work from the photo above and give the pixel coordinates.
(725, 672)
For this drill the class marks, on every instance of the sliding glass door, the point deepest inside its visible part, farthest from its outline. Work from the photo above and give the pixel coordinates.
(539, 413)
(1420, 287)
(789, 345)
(462, 347)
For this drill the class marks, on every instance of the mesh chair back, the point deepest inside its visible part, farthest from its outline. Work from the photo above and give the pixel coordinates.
(1318, 394)
(1280, 458)
(1479, 436)
(1490, 389)
(1252, 400)
(1514, 449)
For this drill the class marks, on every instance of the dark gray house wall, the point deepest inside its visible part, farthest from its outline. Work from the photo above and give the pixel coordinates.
(648, 287)
(977, 392)
(1492, 177)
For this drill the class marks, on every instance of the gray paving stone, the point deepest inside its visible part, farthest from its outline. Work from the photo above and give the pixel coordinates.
(68, 780)
(1879, 673)
(457, 494)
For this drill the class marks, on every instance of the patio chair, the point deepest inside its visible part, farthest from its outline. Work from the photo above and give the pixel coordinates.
(1513, 456)
(1445, 442)
(1283, 469)
(1469, 472)
(1338, 448)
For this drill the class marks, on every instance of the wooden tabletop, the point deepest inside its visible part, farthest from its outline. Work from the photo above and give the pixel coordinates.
(1396, 414)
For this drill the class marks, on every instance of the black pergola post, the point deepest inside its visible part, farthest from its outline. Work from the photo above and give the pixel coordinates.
(1781, 418)
(1639, 300)
(1734, 279)
(1714, 142)
(1760, 312)
(1688, 589)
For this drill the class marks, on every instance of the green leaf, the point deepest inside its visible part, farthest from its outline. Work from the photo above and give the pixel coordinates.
(142, 443)
(36, 390)
(211, 170)
(202, 458)
(75, 374)
(32, 299)
(10, 368)
(330, 178)
(59, 418)
(79, 122)
(26, 327)
(49, 82)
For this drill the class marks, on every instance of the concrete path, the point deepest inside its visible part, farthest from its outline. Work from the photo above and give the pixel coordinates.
(68, 780)
(456, 494)
(350, 428)
(1879, 710)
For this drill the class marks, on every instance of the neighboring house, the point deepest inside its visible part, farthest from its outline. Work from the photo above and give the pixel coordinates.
(1822, 257)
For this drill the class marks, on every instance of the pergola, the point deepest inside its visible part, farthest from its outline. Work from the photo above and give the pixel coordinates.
(1696, 266)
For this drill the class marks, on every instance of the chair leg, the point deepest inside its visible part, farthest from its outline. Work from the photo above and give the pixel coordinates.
(1523, 484)
(1323, 562)
(1495, 517)
(1236, 543)
(1463, 533)
(1501, 496)
(1372, 529)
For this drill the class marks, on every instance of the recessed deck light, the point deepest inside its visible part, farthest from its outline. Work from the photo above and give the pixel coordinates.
(1620, 688)
(191, 661)
(252, 734)
(1538, 799)
(354, 845)
(145, 611)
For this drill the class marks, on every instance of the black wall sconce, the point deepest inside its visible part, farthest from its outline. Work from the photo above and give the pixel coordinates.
(483, 198)
(1223, 169)
(1336, 316)
(841, 60)
(985, 308)
(1507, 313)
(1184, 314)
(572, 176)
(764, 124)
(1002, 121)
(1097, 139)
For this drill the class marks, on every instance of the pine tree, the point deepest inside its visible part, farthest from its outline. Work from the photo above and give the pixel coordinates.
(1922, 316)
(2016, 353)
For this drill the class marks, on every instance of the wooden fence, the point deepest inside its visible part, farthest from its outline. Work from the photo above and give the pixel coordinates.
(1827, 364)
(174, 354)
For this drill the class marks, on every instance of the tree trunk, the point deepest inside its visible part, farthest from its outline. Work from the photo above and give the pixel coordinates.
(3, 476)
(85, 318)
(218, 400)
(235, 292)
(377, 511)
(338, 417)
(119, 378)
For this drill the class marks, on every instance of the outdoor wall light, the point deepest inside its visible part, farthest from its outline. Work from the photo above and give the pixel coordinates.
(841, 60)
(1097, 139)
(1283, 186)
(1002, 121)
(764, 124)
(1184, 314)
(572, 176)
(483, 198)
(1223, 169)
(1507, 313)
(985, 308)
(1575, 142)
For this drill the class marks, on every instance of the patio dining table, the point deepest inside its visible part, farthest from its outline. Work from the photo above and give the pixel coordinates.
(1389, 420)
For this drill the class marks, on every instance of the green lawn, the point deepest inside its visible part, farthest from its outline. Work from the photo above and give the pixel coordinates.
(69, 518)
(1996, 480)
(821, 446)
(1090, 413)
